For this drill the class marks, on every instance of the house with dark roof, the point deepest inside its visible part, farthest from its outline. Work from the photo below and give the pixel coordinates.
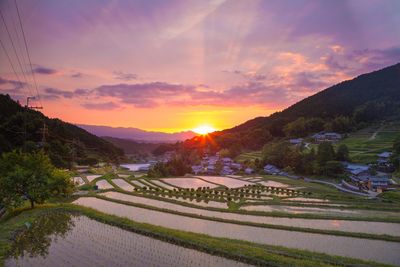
(326, 137)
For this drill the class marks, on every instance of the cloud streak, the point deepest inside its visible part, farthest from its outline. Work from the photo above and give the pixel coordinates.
(44, 70)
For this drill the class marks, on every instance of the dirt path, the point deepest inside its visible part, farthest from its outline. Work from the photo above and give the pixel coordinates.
(373, 136)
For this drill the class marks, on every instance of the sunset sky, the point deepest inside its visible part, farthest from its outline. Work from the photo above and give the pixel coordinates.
(175, 65)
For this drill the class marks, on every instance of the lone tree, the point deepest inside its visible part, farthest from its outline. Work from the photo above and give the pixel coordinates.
(342, 153)
(32, 177)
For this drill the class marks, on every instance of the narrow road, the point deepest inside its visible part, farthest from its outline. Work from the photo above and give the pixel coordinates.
(373, 136)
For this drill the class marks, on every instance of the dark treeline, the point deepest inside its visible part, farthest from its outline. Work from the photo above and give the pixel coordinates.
(64, 142)
(296, 159)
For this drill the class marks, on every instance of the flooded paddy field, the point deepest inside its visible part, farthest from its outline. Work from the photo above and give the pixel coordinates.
(378, 250)
(226, 181)
(273, 183)
(92, 177)
(124, 185)
(103, 184)
(340, 225)
(162, 185)
(68, 240)
(188, 182)
(322, 211)
(135, 166)
(78, 180)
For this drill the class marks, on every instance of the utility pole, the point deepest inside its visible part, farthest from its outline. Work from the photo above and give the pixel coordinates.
(44, 131)
(27, 108)
(73, 153)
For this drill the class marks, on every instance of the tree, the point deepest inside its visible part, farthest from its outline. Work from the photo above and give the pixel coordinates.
(342, 153)
(331, 168)
(325, 153)
(395, 158)
(32, 177)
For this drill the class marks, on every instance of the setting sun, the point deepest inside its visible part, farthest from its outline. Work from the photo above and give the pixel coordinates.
(204, 129)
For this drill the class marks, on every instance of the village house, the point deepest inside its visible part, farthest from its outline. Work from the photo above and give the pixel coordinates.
(271, 169)
(197, 169)
(296, 141)
(249, 170)
(326, 137)
(357, 169)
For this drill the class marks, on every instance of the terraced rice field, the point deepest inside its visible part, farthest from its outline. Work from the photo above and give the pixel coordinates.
(366, 144)
(378, 250)
(92, 177)
(124, 185)
(226, 181)
(162, 185)
(103, 184)
(273, 183)
(188, 182)
(137, 183)
(303, 199)
(78, 180)
(342, 225)
(98, 244)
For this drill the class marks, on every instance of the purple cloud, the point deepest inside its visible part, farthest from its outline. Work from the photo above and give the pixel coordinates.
(101, 106)
(44, 70)
(77, 75)
(124, 76)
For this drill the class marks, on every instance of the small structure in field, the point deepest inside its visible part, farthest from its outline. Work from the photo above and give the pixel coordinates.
(296, 141)
(249, 170)
(326, 137)
(271, 169)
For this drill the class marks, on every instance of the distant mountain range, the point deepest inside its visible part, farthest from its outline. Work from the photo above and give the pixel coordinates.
(137, 134)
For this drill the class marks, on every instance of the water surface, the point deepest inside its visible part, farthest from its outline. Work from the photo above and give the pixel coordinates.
(339, 225)
(367, 249)
(188, 182)
(135, 166)
(80, 241)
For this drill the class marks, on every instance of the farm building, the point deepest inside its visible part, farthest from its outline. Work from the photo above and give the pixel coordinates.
(326, 137)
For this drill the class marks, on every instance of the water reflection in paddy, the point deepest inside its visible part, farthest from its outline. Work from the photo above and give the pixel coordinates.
(188, 182)
(322, 211)
(135, 166)
(92, 177)
(103, 184)
(124, 185)
(80, 241)
(341, 225)
(381, 251)
(226, 181)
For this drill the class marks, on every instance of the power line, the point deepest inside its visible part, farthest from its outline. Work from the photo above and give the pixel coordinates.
(15, 52)
(27, 52)
(9, 60)
(17, 36)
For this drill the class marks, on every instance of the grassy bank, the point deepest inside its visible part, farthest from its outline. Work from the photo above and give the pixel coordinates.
(261, 255)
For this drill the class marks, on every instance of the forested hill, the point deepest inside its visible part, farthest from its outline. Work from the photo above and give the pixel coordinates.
(65, 142)
(132, 147)
(369, 97)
